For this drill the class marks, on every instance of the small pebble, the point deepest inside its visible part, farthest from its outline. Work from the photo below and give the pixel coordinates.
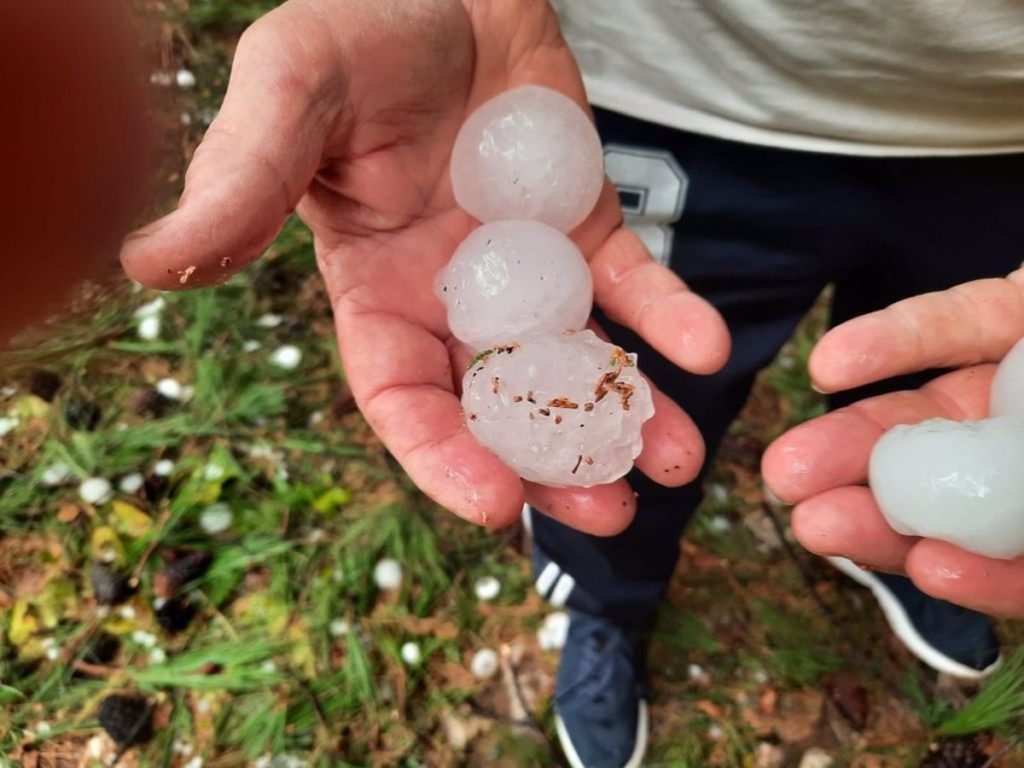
(55, 474)
(339, 628)
(149, 328)
(130, 484)
(7, 423)
(411, 654)
(95, 490)
(163, 468)
(287, 357)
(387, 574)
(269, 320)
(487, 588)
(185, 79)
(484, 663)
(216, 518)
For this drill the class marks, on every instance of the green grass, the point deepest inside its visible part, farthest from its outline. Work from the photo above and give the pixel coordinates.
(263, 669)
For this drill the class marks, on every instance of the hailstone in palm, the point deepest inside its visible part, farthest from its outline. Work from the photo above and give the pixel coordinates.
(563, 410)
(1007, 397)
(513, 279)
(528, 153)
(961, 482)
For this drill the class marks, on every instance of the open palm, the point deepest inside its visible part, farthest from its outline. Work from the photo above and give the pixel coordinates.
(347, 111)
(822, 466)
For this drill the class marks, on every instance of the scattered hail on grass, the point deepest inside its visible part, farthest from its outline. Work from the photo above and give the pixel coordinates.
(487, 588)
(185, 79)
(216, 518)
(163, 468)
(387, 574)
(131, 483)
(411, 653)
(57, 473)
(149, 328)
(286, 357)
(95, 490)
(484, 663)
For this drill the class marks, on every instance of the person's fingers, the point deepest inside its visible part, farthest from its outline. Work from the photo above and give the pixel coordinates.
(673, 450)
(256, 160)
(603, 510)
(972, 323)
(995, 587)
(638, 292)
(833, 450)
(401, 377)
(847, 522)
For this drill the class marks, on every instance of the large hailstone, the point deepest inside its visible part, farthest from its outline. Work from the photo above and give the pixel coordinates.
(958, 482)
(528, 153)
(513, 279)
(1007, 398)
(560, 410)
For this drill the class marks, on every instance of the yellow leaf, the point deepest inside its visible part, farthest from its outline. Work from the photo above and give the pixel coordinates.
(130, 520)
(29, 407)
(105, 544)
(23, 623)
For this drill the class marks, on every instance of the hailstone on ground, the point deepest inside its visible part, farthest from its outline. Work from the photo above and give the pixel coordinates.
(958, 482)
(560, 410)
(528, 153)
(513, 279)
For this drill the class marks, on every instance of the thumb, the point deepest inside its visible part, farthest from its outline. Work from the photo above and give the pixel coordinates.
(255, 162)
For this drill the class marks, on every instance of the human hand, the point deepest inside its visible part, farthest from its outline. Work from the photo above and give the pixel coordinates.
(348, 111)
(822, 466)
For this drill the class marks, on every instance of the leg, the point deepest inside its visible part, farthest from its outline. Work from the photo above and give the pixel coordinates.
(741, 242)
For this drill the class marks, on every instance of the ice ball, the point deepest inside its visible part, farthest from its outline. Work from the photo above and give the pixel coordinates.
(513, 279)
(1007, 398)
(961, 482)
(562, 410)
(528, 153)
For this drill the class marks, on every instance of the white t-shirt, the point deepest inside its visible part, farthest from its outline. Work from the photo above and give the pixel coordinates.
(869, 77)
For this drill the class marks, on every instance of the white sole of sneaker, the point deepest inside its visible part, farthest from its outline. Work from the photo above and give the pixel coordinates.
(642, 729)
(901, 625)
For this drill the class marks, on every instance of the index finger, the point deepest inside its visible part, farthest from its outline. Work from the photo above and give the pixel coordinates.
(971, 323)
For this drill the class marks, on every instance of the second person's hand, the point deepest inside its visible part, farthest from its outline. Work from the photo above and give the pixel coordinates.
(347, 111)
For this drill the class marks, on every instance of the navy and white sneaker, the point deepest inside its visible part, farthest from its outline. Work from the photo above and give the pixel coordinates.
(601, 694)
(956, 641)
